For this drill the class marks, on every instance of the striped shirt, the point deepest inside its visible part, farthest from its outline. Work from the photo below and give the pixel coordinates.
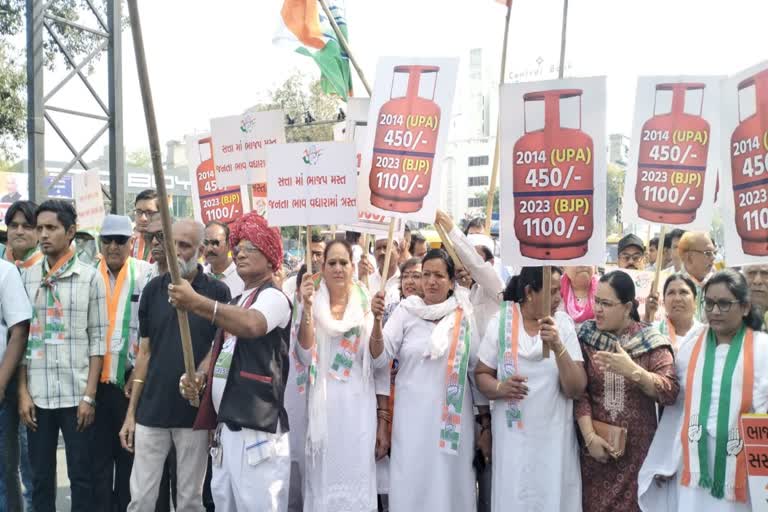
(58, 379)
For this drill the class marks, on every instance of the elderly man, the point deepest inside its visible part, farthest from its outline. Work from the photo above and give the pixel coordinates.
(15, 313)
(124, 278)
(217, 261)
(145, 208)
(631, 252)
(251, 465)
(59, 377)
(157, 416)
(22, 235)
(697, 252)
(757, 278)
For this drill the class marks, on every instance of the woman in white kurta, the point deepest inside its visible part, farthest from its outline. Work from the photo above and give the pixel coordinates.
(341, 432)
(673, 458)
(434, 342)
(535, 451)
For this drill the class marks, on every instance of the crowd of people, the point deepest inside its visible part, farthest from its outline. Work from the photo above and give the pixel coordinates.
(422, 379)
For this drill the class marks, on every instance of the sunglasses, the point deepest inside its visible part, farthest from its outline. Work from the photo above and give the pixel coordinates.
(118, 239)
(159, 236)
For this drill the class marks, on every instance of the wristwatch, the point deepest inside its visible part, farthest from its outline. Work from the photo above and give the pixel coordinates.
(90, 401)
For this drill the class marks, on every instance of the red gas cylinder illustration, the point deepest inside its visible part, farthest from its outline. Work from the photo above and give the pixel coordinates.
(672, 160)
(553, 180)
(216, 203)
(406, 138)
(749, 165)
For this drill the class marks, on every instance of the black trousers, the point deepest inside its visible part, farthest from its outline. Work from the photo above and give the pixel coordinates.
(111, 494)
(42, 454)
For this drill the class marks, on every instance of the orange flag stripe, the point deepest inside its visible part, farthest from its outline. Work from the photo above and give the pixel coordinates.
(303, 20)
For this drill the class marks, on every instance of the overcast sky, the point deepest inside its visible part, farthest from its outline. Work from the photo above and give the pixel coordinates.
(210, 59)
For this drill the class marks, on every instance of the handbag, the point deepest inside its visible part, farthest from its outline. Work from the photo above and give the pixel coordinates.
(615, 436)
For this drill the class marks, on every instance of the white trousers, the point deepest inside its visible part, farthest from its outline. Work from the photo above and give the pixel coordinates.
(238, 486)
(151, 447)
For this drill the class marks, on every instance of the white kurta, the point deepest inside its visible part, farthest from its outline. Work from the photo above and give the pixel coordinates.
(296, 406)
(343, 477)
(665, 455)
(423, 478)
(527, 461)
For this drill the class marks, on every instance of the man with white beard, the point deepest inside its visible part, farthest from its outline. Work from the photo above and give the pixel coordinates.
(158, 417)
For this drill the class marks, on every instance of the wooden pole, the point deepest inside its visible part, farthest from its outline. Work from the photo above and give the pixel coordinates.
(388, 255)
(448, 245)
(345, 46)
(497, 148)
(547, 270)
(659, 258)
(162, 194)
(364, 279)
(308, 252)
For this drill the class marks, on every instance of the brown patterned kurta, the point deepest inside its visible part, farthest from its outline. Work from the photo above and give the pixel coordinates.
(612, 487)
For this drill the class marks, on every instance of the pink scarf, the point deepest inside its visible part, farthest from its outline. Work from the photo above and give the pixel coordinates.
(578, 312)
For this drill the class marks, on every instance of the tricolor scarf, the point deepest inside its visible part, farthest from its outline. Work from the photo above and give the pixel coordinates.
(578, 312)
(53, 331)
(141, 249)
(729, 476)
(509, 332)
(666, 327)
(357, 319)
(32, 257)
(119, 311)
(451, 336)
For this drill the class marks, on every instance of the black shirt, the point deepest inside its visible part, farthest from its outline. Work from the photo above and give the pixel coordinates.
(161, 405)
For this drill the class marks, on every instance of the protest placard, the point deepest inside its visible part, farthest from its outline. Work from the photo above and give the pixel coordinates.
(674, 153)
(643, 280)
(209, 201)
(408, 123)
(553, 172)
(754, 428)
(744, 166)
(89, 202)
(311, 183)
(240, 145)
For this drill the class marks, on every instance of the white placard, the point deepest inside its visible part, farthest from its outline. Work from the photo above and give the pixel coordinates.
(408, 124)
(744, 169)
(89, 202)
(553, 172)
(674, 152)
(241, 142)
(311, 183)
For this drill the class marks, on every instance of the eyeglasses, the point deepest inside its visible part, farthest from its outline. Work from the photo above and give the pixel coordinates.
(634, 258)
(723, 305)
(246, 248)
(708, 254)
(158, 235)
(214, 243)
(144, 213)
(118, 239)
(605, 304)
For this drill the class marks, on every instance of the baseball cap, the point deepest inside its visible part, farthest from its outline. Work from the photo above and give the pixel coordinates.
(631, 239)
(116, 225)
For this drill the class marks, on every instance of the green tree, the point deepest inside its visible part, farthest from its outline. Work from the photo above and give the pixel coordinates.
(484, 197)
(12, 107)
(140, 158)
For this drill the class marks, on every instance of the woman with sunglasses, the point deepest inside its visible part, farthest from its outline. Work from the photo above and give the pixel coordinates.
(630, 368)
(723, 374)
(434, 339)
(334, 335)
(534, 439)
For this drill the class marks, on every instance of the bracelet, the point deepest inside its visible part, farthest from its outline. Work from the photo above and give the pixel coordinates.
(215, 310)
(384, 414)
(588, 442)
(563, 351)
(307, 318)
(138, 381)
(90, 401)
(498, 385)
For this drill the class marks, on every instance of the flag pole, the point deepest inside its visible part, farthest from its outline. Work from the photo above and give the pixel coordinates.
(547, 281)
(162, 194)
(497, 148)
(345, 46)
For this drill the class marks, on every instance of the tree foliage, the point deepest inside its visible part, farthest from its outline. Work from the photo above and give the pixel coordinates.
(12, 106)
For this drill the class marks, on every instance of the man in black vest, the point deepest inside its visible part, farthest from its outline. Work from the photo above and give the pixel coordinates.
(243, 377)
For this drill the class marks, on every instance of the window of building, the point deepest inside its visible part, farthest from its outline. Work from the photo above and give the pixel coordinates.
(475, 202)
(474, 161)
(478, 181)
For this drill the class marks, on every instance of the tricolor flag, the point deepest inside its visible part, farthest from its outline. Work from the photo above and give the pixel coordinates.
(305, 28)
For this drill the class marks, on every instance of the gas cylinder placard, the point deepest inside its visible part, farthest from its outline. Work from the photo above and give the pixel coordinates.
(408, 124)
(209, 201)
(311, 183)
(674, 153)
(553, 172)
(744, 168)
(241, 142)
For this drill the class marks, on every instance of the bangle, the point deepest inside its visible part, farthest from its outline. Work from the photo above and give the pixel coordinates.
(498, 385)
(563, 351)
(307, 317)
(139, 381)
(384, 414)
(90, 401)
(589, 440)
(215, 310)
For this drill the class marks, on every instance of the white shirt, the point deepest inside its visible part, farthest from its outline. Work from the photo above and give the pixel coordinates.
(14, 303)
(230, 278)
(289, 287)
